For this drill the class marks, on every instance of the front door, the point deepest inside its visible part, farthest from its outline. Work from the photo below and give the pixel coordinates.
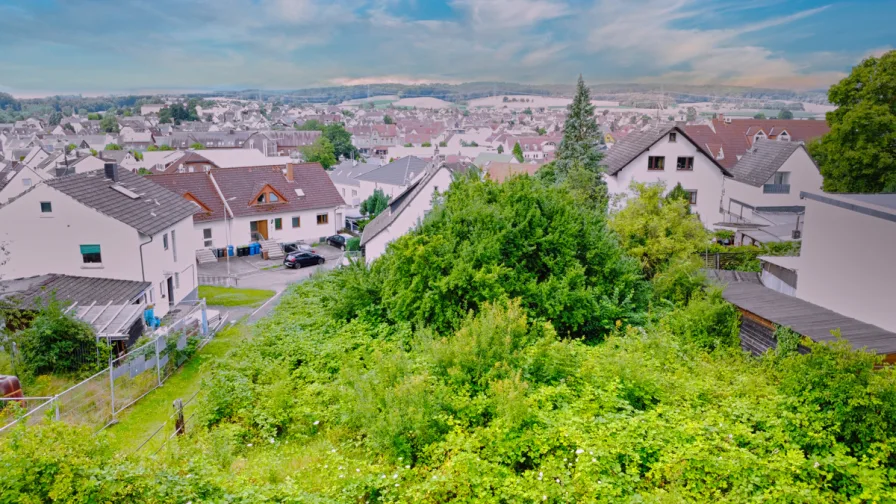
(260, 227)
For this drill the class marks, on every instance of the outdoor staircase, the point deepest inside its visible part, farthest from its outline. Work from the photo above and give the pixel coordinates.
(274, 250)
(204, 256)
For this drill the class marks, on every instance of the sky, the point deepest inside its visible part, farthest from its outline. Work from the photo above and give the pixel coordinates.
(126, 46)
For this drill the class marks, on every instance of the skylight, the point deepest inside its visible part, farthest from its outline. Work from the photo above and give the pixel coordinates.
(127, 192)
(300, 193)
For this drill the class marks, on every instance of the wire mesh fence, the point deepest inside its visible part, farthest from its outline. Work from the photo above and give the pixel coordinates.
(162, 437)
(97, 400)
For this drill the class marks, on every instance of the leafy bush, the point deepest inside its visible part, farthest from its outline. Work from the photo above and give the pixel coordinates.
(520, 239)
(708, 321)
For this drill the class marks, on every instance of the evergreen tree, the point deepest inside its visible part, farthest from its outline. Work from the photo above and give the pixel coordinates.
(518, 152)
(580, 135)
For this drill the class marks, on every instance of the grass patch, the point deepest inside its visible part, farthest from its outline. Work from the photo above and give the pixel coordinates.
(138, 422)
(229, 296)
(273, 267)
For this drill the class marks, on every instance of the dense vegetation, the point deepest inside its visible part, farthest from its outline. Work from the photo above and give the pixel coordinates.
(859, 153)
(507, 350)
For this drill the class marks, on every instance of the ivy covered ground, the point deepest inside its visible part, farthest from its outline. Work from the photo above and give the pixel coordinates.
(562, 359)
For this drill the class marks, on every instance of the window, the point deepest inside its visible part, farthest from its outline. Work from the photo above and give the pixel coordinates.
(693, 194)
(782, 178)
(272, 198)
(165, 241)
(46, 207)
(207, 237)
(354, 193)
(26, 182)
(673, 137)
(173, 246)
(323, 219)
(343, 192)
(685, 163)
(296, 222)
(90, 254)
(656, 163)
(278, 223)
(260, 198)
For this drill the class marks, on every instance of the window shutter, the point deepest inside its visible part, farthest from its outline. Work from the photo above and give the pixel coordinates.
(90, 249)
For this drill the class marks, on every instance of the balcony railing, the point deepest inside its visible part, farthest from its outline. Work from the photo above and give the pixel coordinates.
(776, 189)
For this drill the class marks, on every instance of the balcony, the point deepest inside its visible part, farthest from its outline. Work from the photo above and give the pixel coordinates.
(776, 189)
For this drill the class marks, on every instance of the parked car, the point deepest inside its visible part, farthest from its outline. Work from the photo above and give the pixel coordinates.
(302, 259)
(339, 241)
(297, 247)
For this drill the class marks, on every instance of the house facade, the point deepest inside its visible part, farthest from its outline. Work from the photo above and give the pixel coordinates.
(405, 211)
(110, 224)
(668, 155)
(238, 206)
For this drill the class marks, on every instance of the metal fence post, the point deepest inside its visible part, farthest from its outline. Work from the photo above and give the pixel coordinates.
(158, 364)
(112, 388)
(56, 406)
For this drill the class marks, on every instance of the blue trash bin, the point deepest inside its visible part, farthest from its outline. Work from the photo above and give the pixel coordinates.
(230, 250)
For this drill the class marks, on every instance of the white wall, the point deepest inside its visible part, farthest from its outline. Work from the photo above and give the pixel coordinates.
(16, 186)
(705, 178)
(846, 264)
(409, 217)
(41, 243)
(308, 231)
(366, 189)
(350, 193)
(804, 176)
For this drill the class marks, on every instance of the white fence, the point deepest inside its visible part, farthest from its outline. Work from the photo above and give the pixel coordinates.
(98, 400)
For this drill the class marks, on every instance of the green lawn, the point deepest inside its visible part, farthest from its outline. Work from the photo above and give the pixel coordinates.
(139, 421)
(229, 296)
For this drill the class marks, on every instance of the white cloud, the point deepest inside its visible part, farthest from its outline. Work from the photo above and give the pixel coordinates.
(504, 14)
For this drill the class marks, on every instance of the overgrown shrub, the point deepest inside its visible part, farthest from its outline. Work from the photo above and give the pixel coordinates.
(707, 321)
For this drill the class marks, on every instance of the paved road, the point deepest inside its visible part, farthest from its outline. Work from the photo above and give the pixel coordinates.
(254, 274)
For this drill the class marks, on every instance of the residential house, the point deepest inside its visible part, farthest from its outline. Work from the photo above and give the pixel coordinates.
(239, 206)
(841, 283)
(669, 155)
(405, 211)
(110, 224)
(499, 172)
(345, 179)
(761, 202)
(392, 178)
(280, 143)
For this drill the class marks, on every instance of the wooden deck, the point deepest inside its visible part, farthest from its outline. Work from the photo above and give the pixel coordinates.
(806, 318)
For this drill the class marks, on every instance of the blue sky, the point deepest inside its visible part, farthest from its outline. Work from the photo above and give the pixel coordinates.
(96, 46)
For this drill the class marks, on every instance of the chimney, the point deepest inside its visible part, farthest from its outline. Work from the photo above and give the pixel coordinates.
(290, 172)
(111, 171)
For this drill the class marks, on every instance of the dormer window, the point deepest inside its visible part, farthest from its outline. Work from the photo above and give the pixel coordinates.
(268, 195)
(673, 137)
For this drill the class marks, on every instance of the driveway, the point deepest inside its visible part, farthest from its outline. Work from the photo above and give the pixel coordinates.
(253, 272)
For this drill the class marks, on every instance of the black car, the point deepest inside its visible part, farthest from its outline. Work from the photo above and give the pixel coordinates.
(339, 241)
(302, 259)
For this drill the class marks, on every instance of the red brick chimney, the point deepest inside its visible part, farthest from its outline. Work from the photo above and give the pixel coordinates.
(290, 172)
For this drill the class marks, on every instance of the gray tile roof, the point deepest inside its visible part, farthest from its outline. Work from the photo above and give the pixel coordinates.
(346, 172)
(758, 165)
(73, 289)
(637, 142)
(399, 172)
(398, 204)
(155, 209)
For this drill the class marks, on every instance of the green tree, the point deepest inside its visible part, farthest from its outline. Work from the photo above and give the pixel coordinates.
(310, 125)
(55, 118)
(426, 144)
(93, 152)
(321, 151)
(443, 144)
(109, 124)
(387, 119)
(480, 245)
(785, 114)
(70, 147)
(375, 204)
(518, 152)
(94, 116)
(197, 146)
(679, 192)
(166, 147)
(691, 114)
(152, 148)
(165, 116)
(500, 149)
(112, 147)
(527, 111)
(541, 131)
(759, 115)
(341, 140)
(663, 235)
(579, 148)
(859, 153)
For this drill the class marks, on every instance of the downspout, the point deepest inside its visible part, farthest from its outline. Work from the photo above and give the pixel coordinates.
(142, 270)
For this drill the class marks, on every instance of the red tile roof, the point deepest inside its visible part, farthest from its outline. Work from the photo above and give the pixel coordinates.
(735, 138)
(241, 185)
